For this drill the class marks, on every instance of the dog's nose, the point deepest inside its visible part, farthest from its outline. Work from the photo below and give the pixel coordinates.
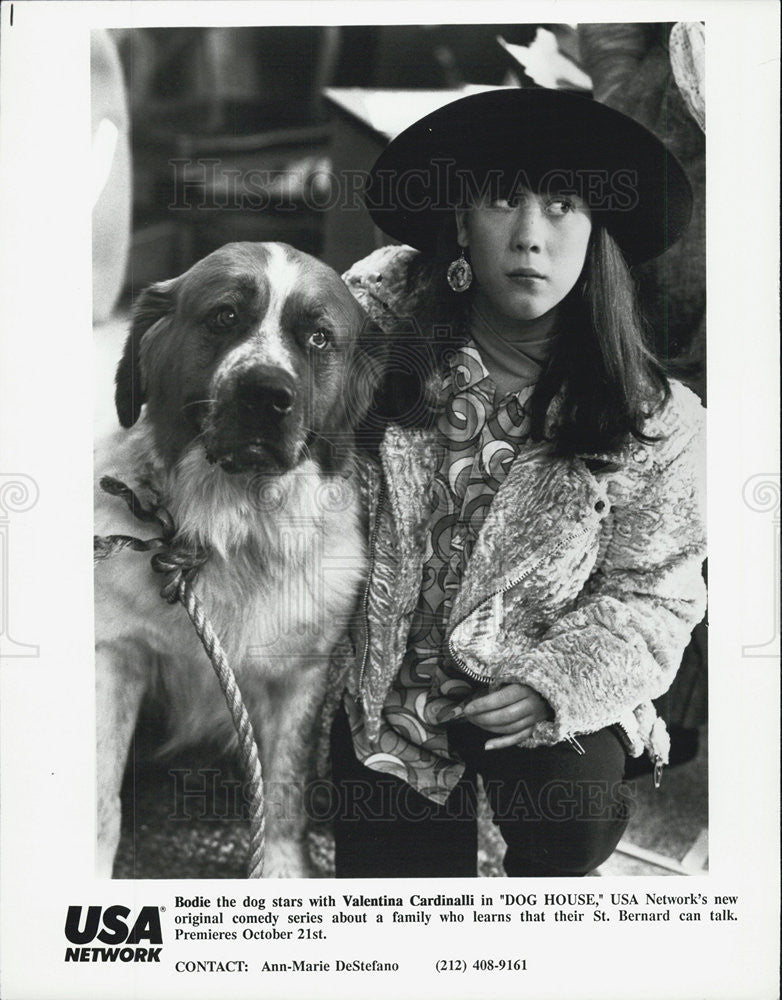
(266, 391)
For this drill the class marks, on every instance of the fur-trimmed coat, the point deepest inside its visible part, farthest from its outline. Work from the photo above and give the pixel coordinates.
(584, 583)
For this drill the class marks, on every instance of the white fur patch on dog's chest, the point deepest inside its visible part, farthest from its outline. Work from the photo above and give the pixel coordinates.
(287, 558)
(297, 608)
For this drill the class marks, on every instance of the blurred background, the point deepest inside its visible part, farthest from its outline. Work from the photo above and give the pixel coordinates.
(253, 133)
(203, 136)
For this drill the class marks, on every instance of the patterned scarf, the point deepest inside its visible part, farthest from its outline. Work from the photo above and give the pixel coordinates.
(477, 443)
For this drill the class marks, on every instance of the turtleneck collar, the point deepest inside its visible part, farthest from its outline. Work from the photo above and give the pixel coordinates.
(512, 362)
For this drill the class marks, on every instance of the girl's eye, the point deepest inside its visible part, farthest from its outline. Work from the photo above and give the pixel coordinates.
(320, 338)
(560, 206)
(224, 318)
(503, 204)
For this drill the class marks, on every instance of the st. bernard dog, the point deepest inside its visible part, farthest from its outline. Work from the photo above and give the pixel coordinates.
(237, 392)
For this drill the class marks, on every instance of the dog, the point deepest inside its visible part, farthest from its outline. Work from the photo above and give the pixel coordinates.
(237, 393)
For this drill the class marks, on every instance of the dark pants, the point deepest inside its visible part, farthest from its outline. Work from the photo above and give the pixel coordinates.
(560, 813)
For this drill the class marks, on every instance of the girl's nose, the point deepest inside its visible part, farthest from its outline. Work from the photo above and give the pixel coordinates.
(527, 233)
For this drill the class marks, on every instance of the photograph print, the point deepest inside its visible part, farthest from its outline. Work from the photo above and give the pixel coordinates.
(400, 340)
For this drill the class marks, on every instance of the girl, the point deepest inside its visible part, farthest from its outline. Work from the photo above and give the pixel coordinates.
(536, 529)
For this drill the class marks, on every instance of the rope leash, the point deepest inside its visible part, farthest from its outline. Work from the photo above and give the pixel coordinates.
(181, 567)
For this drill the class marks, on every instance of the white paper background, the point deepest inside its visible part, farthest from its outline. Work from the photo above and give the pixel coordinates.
(46, 435)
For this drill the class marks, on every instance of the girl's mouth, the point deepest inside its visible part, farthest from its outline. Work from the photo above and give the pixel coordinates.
(526, 272)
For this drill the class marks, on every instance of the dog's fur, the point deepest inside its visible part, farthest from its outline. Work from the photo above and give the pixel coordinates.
(240, 426)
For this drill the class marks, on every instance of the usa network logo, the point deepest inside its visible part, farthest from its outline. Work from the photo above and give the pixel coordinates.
(127, 939)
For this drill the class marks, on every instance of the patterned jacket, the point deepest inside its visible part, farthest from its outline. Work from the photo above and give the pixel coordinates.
(584, 583)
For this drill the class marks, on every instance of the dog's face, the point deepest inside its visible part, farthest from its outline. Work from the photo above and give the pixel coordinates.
(259, 352)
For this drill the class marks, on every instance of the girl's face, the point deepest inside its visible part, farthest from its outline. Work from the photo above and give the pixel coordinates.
(527, 254)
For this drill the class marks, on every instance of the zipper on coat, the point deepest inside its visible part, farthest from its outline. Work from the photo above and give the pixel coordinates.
(511, 583)
(657, 762)
(381, 496)
(623, 727)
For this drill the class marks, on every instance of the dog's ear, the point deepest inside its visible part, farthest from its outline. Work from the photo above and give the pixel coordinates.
(152, 305)
(366, 380)
(400, 362)
(342, 428)
(370, 360)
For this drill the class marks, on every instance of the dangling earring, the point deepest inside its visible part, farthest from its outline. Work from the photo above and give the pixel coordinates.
(459, 274)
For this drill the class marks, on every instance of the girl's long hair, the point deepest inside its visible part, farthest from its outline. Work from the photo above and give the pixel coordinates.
(606, 380)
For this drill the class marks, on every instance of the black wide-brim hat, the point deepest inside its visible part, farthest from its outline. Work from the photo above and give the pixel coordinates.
(545, 139)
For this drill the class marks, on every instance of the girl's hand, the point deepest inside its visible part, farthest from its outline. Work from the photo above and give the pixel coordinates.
(512, 710)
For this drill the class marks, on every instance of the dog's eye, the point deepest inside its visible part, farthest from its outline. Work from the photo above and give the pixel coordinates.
(320, 338)
(224, 318)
